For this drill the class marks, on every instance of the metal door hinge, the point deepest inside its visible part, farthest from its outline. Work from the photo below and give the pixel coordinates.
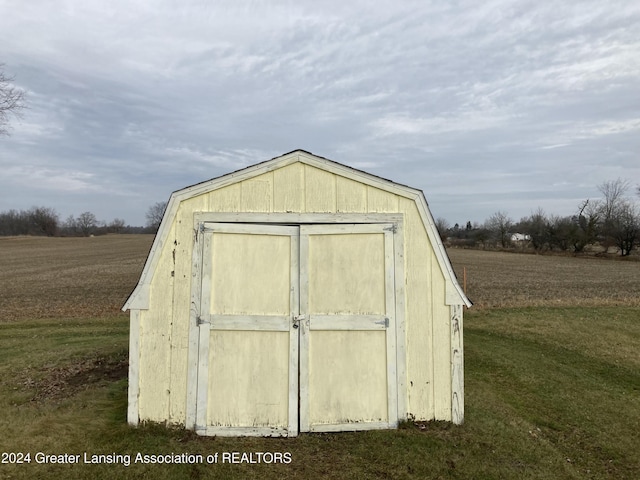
(384, 322)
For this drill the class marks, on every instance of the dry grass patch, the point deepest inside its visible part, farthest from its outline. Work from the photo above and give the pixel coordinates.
(502, 279)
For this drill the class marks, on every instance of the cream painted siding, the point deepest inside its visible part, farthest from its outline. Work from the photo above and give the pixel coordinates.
(298, 184)
(156, 342)
(419, 315)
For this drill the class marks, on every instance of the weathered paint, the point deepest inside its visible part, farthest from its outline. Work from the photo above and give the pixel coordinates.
(457, 366)
(134, 368)
(428, 365)
(419, 315)
(246, 366)
(248, 379)
(347, 377)
(156, 342)
(250, 274)
(181, 298)
(347, 274)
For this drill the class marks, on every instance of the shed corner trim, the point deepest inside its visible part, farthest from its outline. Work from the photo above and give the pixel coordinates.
(139, 298)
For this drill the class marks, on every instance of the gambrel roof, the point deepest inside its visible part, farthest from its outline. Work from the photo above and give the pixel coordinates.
(139, 298)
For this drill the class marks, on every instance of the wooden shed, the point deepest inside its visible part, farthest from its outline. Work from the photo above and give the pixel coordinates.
(296, 295)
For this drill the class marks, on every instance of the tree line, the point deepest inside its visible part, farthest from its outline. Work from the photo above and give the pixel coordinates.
(45, 221)
(610, 221)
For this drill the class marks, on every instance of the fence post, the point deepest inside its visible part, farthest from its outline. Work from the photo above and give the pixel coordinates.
(464, 280)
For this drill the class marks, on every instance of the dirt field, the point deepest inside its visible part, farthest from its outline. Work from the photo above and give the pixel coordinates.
(500, 279)
(92, 277)
(68, 277)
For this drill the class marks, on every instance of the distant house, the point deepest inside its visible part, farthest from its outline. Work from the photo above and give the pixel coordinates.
(520, 237)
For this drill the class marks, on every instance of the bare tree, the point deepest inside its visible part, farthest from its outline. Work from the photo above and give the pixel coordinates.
(561, 231)
(624, 227)
(11, 101)
(443, 227)
(587, 223)
(499, 225)
(613, 192)
(14, 222)
(35, 221)
(86, 223)
(537, 227)
(116, 225)
(70, 226)
(154, 215)
(620, 217)
(44, 221)
(481, 235)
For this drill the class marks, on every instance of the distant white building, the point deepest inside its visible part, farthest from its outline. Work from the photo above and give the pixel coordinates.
(520, 237)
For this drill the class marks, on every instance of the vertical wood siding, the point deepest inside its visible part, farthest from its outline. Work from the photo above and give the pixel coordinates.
(320, 190)
(351, 196)
(419, 314)
(182, 248)
(227, 199)
(257, 194)
(295, 188)
(155, 340)
(441, 346)
(288, 189)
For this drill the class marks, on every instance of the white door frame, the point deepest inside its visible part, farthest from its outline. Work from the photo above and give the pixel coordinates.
(199, 340)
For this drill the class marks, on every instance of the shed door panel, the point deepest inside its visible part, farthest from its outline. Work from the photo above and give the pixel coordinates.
(256, 274)
(347, 350)
(248, 379)
(248, 369)
(257, 372)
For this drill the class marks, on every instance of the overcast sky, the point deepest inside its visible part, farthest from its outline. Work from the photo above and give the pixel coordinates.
(485, 106)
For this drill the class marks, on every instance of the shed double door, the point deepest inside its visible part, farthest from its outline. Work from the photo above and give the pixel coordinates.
(296, 329)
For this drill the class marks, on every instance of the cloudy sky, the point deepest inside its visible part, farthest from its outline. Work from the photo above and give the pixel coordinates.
(486, 106)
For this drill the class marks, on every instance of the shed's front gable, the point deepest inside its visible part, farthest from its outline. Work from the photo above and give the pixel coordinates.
(297, 189)
(331, 188)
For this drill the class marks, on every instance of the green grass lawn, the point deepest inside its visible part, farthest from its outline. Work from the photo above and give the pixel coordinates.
(551, 393)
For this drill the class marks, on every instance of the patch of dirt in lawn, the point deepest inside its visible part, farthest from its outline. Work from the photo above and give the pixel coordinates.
(58, 382)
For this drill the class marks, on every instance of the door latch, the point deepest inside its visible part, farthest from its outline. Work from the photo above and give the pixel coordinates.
(297, 319)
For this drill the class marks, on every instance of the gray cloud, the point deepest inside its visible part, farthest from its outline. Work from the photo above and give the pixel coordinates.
(491, 106)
